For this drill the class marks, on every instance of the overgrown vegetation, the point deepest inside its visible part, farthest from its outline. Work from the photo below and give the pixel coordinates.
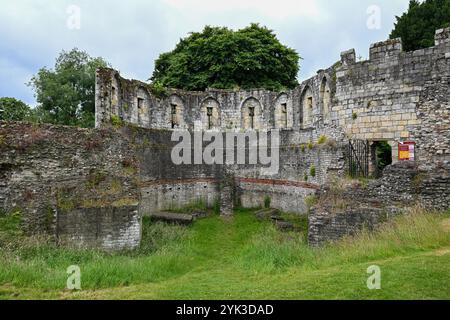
(312, 171)
(66, 94)
(417, 26)
(158, 90)
(322, 139)
(241, 258)
(12, 109)
(384, 154)
(311, 201)
(267, 202)
(116, 121)
(222, 58)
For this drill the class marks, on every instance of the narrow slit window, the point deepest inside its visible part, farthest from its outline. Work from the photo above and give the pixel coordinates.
(284, 114)
(174, 115)
(209, 112)
(140, 103)
(251, 113)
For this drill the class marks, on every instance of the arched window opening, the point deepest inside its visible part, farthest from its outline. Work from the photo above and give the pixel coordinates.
(210, 114)
(251, 114)
(325, 94)
(308, 107)
(174, 117)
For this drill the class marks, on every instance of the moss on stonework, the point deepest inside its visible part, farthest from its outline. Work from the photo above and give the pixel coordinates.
(116, 121)
(158, 90)
(95, 178)
(417, 181)
(65, 202)
(303, 148)
(322, 139)
(267, 202)
(311, 201)
(312, 171)
(49, 218)
(336, 66)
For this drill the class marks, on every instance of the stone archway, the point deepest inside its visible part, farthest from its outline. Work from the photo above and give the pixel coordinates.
(175, 112)
(307, 103)
(143, 107)
(210, 114)
(283, 112)
(325, 96)
(251, 114)
(380, 157)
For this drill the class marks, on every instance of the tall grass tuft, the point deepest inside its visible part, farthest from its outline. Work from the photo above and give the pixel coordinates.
(417, 231)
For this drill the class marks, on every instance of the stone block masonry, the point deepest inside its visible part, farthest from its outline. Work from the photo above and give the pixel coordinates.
(325, 227)
(78, 185)
(402, 186)
(107, 228)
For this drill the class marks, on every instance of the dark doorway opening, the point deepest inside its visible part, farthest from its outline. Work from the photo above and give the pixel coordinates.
(381, 157)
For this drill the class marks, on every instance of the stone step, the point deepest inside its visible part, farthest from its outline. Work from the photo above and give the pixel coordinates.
(170, 217)
(267, 214)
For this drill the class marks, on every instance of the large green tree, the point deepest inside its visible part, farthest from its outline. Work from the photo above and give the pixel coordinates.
(12, 109)
(417, 26)
(221, 58)
(66, 94)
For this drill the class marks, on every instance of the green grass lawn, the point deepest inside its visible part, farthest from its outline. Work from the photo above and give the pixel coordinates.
(238, 258)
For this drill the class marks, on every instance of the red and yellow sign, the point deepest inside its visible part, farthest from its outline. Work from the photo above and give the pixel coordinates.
(406, 151)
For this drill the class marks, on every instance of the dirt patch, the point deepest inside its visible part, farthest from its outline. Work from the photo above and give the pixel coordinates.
(442, 252)
(446, 225)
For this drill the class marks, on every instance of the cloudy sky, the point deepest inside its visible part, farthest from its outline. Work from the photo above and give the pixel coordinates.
(131, 34)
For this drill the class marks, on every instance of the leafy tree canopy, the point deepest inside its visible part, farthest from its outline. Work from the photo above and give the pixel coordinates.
(417, 26)
(12, 109)
(221, 58)
(66, 94)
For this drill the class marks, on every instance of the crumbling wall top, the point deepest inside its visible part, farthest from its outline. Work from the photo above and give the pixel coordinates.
(442, 36)
(383, 49)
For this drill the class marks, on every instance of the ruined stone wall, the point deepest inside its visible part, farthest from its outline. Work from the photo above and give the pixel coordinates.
(48, 171)
(108, 228)
(133, 102)
(165, 185)
(78, 185)
(325, 227)
(397, 96)
(404, 185)
(88, 188)
(393, 96)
